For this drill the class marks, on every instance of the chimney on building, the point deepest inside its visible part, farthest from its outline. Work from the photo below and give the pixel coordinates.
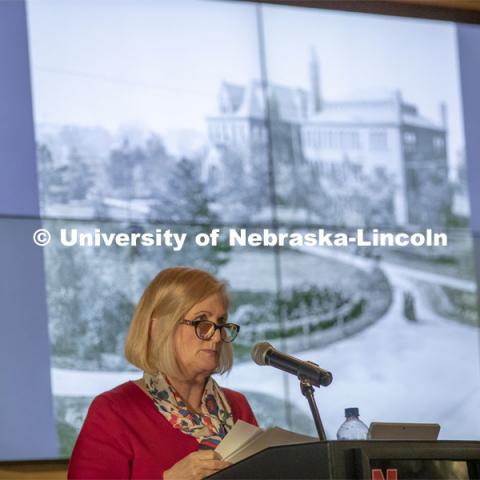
(399, 105)
(444, 115)
(314, 94)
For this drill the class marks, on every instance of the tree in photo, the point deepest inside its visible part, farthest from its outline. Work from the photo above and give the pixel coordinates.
(80, 178)
(52, 179)
(122, 165)
(185, 197)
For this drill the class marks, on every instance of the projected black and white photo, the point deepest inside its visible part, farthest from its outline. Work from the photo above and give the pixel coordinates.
(187, 116)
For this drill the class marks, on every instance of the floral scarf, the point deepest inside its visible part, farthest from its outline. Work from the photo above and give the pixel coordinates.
(208, 427)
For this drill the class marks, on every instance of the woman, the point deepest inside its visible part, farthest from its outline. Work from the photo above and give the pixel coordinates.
(167, 424)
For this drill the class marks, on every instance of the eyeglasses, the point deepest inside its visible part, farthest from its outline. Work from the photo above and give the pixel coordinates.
(205, 329)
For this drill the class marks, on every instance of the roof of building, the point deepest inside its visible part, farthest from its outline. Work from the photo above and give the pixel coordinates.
(378, 107)
(356, 112)
(288, 104)
(367, 107)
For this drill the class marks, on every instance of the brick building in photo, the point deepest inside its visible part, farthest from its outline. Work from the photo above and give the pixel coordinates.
(342, 143)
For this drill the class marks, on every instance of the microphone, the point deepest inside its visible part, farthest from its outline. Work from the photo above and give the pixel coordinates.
(264, 354)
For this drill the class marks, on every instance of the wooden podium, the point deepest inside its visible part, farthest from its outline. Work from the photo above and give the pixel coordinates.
(374, 459)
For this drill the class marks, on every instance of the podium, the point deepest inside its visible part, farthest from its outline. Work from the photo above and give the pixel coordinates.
(369, 459)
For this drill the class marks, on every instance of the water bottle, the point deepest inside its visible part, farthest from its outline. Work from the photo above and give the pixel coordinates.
(352, 428)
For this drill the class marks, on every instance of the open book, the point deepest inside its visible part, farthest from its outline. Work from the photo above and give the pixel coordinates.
(244, 440)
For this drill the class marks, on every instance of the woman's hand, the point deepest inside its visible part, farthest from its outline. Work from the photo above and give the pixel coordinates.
(195, 466)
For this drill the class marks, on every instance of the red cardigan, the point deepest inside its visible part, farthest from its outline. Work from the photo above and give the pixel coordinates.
(125, 436)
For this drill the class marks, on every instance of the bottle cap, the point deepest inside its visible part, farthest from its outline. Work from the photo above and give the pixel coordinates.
(351, 412)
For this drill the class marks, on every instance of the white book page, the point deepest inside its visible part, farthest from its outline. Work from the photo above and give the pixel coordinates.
(240, 435)
(269, 438)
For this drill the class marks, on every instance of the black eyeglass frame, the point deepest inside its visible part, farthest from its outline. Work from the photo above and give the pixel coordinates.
(196, 322)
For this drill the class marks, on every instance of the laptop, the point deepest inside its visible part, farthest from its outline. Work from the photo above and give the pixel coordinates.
(403, 431)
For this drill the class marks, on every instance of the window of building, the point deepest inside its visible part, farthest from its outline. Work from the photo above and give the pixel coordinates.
(308, 137)
(410, 138)
(410, 141)
(378, 140)
(217, 132)
(241, 132)
(328, 139)
(336, 140)
(438, 143)
(322, 138)
(355, 140)
(256, 133)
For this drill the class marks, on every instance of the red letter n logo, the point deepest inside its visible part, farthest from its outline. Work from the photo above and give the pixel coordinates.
(377, 474)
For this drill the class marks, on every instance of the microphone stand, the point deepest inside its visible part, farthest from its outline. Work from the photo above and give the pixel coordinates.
(308, 392)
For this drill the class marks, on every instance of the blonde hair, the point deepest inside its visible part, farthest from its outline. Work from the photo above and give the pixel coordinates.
(166, 300)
